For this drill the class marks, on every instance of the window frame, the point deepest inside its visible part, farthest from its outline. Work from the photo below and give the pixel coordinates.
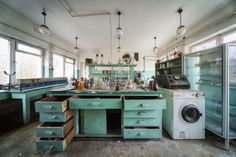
(64, 63)
(42, 55)
(226, 34)
(204, 42)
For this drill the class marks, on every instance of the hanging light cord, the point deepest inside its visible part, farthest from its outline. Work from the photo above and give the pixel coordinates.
(44, 16)
(76, 38)
(155, 42)
(180, 10)
(119, 13)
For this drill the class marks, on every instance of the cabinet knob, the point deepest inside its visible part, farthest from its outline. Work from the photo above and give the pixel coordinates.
(141, 113)
(54, 117)
(143, 105)
(49, 132)
(95, 103)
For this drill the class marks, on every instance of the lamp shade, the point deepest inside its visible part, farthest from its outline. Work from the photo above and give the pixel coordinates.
(43, 29)
(181, 30)
(155, 49)
(119, 32)
(76, 49)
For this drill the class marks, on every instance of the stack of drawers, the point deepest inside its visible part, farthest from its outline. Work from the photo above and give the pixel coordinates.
(143, 118)
(57, 128)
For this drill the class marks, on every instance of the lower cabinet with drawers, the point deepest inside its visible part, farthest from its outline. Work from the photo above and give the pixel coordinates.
(124, 116)
(57, 129)
(143, 117)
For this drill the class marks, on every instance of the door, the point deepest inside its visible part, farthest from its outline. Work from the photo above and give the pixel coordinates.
(94, 122)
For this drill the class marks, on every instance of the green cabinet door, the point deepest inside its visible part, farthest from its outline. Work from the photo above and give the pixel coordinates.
(95, 122)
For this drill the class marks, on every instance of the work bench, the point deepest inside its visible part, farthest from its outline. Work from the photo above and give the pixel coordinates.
(26, 96)
(125, 114)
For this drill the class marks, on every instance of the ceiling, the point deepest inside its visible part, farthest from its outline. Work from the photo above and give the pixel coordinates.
(141, 20)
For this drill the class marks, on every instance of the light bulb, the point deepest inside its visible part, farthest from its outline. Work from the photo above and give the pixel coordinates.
(181, 30)
(43, 29)
(155, 49)
(119, 32)
(76, 49)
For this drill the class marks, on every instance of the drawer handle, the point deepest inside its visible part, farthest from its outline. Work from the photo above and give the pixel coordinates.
(140, 134)
(140, 121)
(95, 103)
(54, 117)
(50, 107)
(49, 132)
(144, 105)
(50, 147)
(141, 113)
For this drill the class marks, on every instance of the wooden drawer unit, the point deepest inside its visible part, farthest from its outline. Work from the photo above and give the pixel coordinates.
(142, 114)
(52, 104)
(144, 104)
(54, 144)
(55, 116)
(95, 103)
(49, 129)
(142, 122)
(142, 133)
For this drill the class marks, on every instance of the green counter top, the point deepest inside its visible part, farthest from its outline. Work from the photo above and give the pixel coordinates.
(104, 93)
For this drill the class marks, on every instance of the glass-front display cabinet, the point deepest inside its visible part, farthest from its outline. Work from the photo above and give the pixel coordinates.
(213, 71)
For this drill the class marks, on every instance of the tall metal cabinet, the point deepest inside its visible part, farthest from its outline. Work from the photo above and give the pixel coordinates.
(213, 71)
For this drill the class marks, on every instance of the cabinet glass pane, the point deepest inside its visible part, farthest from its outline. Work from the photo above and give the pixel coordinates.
(204, 71)
(232, 89)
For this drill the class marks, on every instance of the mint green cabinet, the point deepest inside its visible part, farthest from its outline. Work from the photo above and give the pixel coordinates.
(94, 122)
(143, 121)
(55, 117)
(142, 133)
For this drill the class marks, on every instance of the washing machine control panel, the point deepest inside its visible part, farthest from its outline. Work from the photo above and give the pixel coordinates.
(188, 94)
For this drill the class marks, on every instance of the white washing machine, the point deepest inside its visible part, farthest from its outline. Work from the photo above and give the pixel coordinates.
(184, 117)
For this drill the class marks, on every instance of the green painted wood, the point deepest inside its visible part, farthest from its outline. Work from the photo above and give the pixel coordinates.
(76, 122)
(50, 145)
(142, 133)
(54, 129)
(144, 104)
(26, 95)
(142, 114)
(51, 105)
(52, 117)
(95, 103)
(94, 122)
(4, 95)
(55, 116)
(50, 132)
(134, 122)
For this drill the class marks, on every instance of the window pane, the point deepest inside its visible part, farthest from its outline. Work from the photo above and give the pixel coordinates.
(58, 65)
(68, 60)
(203, 46)
(69, 70)
(229, 38)
(28, 66)
(28, 49)
(4, 60)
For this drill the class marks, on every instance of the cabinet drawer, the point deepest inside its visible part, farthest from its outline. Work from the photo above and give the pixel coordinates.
(55, 116)
(143, 114)
(54, 144)
(95, 103)
(52, 104)
(142, 133)
(144, 104)
(51, 129)
(142, 122)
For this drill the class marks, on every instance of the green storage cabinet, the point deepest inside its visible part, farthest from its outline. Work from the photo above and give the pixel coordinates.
(94, 122)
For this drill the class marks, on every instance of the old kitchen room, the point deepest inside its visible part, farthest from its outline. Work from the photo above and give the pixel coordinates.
(118, 78)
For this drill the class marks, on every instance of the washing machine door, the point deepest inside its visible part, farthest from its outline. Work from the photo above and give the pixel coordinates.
(191, 113)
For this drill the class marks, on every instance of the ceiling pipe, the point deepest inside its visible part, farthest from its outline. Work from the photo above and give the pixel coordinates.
(66, 6)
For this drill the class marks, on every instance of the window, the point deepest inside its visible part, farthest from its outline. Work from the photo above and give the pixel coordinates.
(29, 61)
(229, 37)
(205, 45)
(4, 60)
(69, 68)
(58, 64)
(63, 66)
